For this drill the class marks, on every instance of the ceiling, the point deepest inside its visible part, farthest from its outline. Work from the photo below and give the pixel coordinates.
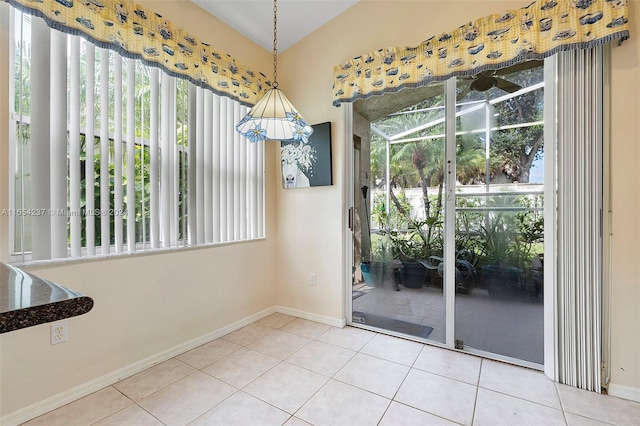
(296, 18)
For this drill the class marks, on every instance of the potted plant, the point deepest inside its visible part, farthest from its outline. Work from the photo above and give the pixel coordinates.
(413, 247)
(379, 268)
(380, 265)
(507, 251)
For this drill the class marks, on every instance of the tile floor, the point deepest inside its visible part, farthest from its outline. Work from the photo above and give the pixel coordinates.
(283, 370)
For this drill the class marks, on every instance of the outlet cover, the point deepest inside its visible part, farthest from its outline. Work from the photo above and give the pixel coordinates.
(58, 332)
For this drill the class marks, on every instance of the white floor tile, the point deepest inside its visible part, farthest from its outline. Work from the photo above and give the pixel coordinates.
(276, 320)
(496, 409)
(133, 415)
(442, 386)
(209, 352)
(241, 367)
(294, 421)
(600, 407)
(393, 349)
(373, 374)
(84, 411)
(241, 409)
(403, 415)
(321, 357)
(340, 404)
(519, 382)
(447, 398)
(279, 344)
(306, 328)
(452, 364)
(153, 379)
(576, 420)
(248, 334)
(286, 386)
(348, 337)
(186, 399)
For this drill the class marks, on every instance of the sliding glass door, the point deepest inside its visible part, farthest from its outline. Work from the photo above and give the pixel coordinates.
(449, 213)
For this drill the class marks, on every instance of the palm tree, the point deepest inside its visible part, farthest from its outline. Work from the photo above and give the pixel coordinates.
(417, 159)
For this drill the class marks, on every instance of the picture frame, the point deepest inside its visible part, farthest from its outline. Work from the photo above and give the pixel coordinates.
(308, 165)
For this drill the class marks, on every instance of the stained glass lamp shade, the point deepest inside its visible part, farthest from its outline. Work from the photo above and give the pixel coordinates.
(274, 118)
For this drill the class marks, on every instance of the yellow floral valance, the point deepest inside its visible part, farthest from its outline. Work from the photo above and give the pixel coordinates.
(137, 32)
(534, 32)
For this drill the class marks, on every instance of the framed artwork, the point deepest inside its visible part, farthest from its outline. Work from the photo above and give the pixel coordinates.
(307, 165)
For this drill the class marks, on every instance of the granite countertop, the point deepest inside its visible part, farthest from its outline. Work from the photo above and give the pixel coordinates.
(26, 300)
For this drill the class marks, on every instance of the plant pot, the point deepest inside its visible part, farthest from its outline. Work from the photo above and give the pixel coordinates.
(376, 273)
(413, 274)
(502, 280)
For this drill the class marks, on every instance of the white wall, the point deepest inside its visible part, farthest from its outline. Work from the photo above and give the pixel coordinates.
(311, 221)
(144, 304)
(625, 184)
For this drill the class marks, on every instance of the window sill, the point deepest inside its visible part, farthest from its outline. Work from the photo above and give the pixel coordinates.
(16, 260)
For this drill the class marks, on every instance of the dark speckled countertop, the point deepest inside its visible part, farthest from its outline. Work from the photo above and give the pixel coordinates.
(26, 300)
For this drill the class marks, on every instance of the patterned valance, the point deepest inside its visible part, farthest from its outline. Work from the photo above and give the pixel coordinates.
(137, 32)
(496, 41)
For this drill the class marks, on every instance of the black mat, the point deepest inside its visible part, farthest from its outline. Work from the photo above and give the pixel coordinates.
(357, 293)
(392, 324)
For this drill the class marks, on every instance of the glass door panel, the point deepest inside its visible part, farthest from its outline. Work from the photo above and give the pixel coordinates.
(499, 213)
(399, 211)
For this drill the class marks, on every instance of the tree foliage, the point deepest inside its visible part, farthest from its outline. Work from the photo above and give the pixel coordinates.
(91, 86)
(416, 146)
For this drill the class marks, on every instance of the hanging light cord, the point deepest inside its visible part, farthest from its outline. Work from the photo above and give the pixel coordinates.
(275, 44)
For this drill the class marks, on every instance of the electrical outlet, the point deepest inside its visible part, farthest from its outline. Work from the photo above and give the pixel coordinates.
(58, 332)
(312, 278)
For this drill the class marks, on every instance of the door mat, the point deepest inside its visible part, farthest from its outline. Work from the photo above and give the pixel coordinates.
(392, 324)
(357, 293)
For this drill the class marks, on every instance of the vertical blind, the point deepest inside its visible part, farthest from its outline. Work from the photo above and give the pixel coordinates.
(112, 156)
(579, 205)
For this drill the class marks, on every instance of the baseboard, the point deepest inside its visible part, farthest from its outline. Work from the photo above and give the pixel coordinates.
(95, 385)
(335, 322)
(624, 392)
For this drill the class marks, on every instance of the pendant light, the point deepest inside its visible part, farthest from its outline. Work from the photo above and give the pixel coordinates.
(273, 117)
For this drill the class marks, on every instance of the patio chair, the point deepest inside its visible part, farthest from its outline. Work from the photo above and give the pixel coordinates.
(465, 271)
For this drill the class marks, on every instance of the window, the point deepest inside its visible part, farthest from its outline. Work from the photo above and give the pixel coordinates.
(110, 155)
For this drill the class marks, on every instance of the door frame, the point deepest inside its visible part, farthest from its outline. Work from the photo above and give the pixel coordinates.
(348, 209)
(549, 339)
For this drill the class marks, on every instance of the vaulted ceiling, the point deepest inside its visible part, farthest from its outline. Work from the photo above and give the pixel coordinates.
(296, 18)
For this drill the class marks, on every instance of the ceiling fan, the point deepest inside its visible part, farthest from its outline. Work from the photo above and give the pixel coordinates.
(491, 78)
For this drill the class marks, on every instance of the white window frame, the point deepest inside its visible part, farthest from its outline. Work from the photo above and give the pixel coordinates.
(233, 171)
